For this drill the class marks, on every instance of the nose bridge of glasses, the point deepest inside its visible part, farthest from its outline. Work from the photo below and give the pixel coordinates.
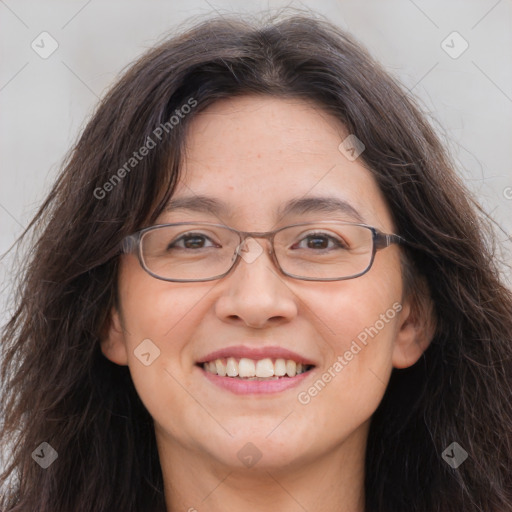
(248, 244)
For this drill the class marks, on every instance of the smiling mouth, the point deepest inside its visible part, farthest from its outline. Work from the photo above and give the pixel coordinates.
(258, 370)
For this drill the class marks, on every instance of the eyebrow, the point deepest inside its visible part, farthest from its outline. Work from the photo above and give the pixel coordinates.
(298, 206)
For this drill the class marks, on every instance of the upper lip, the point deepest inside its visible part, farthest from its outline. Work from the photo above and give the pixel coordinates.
(256, 353)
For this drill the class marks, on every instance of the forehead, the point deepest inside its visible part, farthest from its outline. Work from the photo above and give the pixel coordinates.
(259, 158)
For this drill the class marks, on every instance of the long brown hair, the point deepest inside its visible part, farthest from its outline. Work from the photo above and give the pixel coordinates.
(60, 389)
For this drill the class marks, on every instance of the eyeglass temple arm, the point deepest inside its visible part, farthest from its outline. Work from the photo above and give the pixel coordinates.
(129, 243)
(383, 240)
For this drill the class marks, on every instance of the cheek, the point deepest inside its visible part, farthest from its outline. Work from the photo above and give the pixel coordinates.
(159, 319)
(361, 308)
(159, 310)
(348, 389)
(359, 324)
(360, 333)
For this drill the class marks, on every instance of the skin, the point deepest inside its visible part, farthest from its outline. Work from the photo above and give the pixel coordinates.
(255, 153)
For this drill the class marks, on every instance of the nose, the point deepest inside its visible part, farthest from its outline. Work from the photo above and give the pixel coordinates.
(255, 293)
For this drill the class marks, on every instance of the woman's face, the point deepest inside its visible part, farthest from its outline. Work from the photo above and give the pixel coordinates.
(254, 155)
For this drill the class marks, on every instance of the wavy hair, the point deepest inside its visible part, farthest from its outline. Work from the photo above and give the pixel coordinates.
(59, 388)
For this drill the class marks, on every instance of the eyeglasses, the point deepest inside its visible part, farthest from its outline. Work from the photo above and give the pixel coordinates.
(326, 250)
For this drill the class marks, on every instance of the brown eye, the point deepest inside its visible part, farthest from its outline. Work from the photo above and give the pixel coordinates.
(321, 241)
(191, 241)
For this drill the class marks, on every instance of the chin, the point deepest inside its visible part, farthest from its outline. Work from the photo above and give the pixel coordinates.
(259, 451)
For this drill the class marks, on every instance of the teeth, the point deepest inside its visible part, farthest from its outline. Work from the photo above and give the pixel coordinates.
(246, 368)
(250, 369)
(280, 367)
(232, 367)
(265, 368)
(291, 368)
(220, 369)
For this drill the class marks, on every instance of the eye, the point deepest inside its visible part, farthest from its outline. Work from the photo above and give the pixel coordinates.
(321, 241)
(191, 241)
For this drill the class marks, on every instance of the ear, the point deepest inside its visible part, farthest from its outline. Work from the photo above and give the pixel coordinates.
(415, 332)
(113, 341)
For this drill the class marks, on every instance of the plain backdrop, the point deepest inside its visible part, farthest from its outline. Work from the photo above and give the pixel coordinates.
(45, 103)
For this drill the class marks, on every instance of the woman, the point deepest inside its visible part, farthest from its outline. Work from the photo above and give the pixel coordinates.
(258, 283)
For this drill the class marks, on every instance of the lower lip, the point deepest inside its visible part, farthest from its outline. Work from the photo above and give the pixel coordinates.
(247, 387)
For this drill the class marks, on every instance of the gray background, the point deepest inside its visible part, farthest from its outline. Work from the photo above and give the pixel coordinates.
(45, 103)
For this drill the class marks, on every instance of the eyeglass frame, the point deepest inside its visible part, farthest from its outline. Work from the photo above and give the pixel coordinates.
(380, 240)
